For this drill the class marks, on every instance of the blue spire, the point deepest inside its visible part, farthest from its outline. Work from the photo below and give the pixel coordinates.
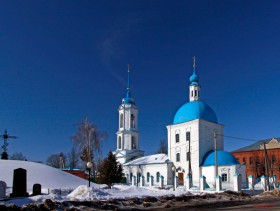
(128, 99)
(194, 78)
(128, 81)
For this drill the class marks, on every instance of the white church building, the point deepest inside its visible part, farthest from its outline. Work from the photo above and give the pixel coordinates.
(192, 139)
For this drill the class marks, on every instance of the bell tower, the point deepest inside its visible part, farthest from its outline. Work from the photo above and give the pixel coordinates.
(128, 134)
(194, 88)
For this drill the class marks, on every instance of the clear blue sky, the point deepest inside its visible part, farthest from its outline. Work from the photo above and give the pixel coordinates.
(63, 60)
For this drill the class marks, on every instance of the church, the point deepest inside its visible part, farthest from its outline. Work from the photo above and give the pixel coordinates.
(195, 147)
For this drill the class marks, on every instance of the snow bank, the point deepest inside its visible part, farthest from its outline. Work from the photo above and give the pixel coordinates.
(48, 177)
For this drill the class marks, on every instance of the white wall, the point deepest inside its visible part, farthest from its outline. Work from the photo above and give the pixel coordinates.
(202, 141)
(209, 173)
(164, 169)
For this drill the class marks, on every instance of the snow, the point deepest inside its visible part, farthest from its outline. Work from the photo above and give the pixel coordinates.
(151, 159)
(64, 186)
(48, 177)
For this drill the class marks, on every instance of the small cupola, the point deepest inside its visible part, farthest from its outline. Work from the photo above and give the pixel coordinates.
(194, 88)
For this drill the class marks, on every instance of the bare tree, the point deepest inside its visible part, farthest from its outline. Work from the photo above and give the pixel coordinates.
(53, 160)
(162, 147)
(56, 160)
(17, 156)
(88, 139)
(74, 158)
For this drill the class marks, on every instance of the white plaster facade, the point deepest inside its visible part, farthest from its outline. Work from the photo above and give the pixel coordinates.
(158, 165)
(201, 142)
(226, 173)
(128, 135)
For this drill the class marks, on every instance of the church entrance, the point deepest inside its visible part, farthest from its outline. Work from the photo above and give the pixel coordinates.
(180, 178)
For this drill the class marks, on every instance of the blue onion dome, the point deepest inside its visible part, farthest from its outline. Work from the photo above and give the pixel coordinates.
(194, 79)
(128, 99)
(195, 110)
(224, 159)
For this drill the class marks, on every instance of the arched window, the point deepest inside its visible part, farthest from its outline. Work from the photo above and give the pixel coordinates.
(258, 160)
(188, 136)
(133, 142)
(177, 137)
(224, 178)
(158, 175)
(178, 157)
(148, 177)
(244, 160)
(131, 176)
(121, 120)
(119, 142)
(138, 177)
(251, 161)
(132, 121)
(273, 159)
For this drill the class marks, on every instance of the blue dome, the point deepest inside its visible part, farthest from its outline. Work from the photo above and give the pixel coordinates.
(194, 79)
(224, 159)
(128, 99)
(195, 110)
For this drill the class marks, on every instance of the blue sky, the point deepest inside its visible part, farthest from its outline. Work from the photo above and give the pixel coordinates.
(63, 60)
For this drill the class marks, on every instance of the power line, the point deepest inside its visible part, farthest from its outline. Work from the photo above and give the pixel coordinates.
(246, 139)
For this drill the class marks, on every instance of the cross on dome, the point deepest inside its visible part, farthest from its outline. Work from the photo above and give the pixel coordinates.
(128, 99)
(194, 78)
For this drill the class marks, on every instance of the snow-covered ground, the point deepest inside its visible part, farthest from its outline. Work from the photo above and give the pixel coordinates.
(73, 188)
(48, 177)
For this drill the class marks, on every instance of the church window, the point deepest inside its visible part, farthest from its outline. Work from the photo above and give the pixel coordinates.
(119, 142)
(192, 93)
(148, 177)
(188, 136)
(131, 176)
(198, 93)
(158, 175)
(121, 120)
(177, 137)
(273, 160)
(138, 177)
(188, 156)
(224, 178)
(251, 161)
(258, 160)
(195, 93)
(244, 160)
(178, 157)
(132, 121)
(133, 142)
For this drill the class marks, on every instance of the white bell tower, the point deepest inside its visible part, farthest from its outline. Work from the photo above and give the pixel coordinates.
(194, 89)
(128, 134)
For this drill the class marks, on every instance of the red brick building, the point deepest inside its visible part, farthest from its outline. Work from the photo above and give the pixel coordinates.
(77, 172)
(253, 157)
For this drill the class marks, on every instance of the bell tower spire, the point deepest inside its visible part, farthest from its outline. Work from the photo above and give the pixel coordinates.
(128, 135)
(128, 99)
(194, 88)
(128, 80)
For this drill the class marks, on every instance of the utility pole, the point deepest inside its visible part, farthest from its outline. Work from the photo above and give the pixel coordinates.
(189, 154)
(266, 163)
(216, 154)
